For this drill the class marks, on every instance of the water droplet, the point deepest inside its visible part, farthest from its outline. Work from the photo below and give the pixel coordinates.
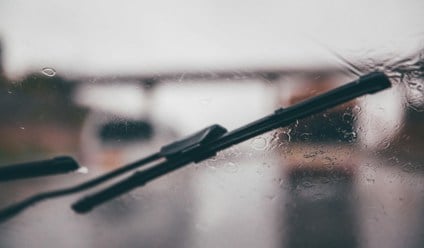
(214, 158)
(234, 152)
(307, 184)
(309, 155)
(356, 109)
(260, 170)
(327, 160)
(259, 143)
(231, 167)
(305, 136)
(23, 128)
(350, 136)
(319, 196)
(49, 72)
(211, 166)
(83, 170)
(347, 117)
(385, 145)
(371, 180)
(325, 180)
(280, 181)
(9, 92)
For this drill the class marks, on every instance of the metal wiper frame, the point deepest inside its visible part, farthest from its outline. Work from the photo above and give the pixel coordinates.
(205, 144)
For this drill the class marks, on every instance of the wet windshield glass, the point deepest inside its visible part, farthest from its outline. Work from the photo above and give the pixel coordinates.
(110, 83)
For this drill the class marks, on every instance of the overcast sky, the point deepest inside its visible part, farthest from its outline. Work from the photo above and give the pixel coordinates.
(97, 37)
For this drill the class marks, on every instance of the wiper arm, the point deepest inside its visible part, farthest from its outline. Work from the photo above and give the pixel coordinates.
(57, 165)
(367, 84)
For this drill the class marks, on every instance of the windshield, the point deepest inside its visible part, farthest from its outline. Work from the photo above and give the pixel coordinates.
(110, 83)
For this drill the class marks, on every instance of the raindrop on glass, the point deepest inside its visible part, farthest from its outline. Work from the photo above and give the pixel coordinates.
(307, 184)
(259, 143)
(319, 196)
(356, 109)
(347, 117)
(260, 169)
(231, 167)
(214, 158)
(49, 72)
(305, 136)
(327, 160)
(370, 180)
(385, 144)
(310, 155)
(350, 136)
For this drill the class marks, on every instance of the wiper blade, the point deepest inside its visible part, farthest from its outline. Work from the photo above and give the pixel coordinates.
(367, 84)
(57, 165)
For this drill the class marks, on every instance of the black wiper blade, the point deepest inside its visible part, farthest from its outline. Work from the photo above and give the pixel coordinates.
(57, 165)
(367, 84)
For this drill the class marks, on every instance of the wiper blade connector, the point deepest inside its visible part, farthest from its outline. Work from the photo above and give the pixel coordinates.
(194, 141)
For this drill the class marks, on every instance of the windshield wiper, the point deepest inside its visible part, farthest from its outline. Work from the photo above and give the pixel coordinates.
(370, 83)
(205, 144)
